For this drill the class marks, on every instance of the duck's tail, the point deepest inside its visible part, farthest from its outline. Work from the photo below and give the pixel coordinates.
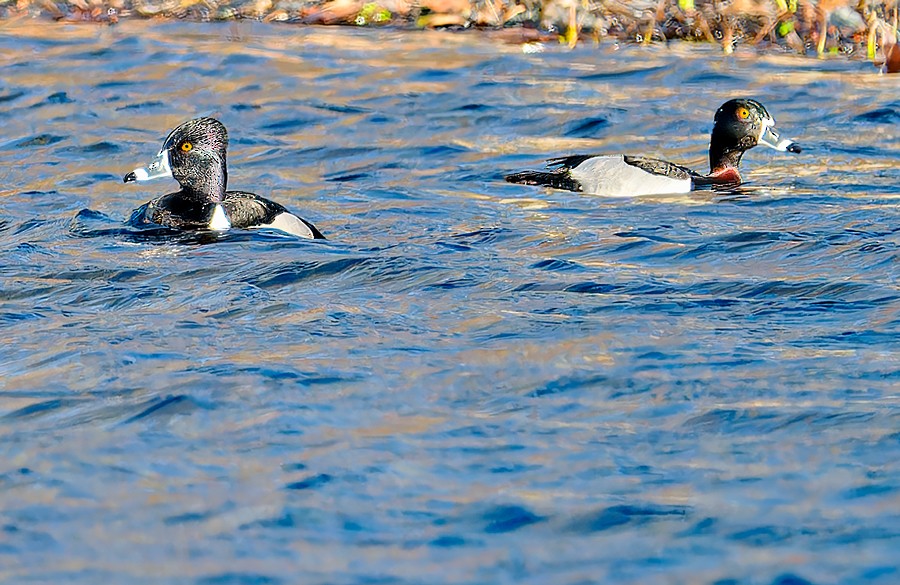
(558, 179)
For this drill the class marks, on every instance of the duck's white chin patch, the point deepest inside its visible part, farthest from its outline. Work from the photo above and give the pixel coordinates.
(219, 221)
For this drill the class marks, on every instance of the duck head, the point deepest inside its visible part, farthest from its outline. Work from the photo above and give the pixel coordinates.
(194, 155)
(740, 125)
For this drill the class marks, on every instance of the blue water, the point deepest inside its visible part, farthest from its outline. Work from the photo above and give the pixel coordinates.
(469, 382)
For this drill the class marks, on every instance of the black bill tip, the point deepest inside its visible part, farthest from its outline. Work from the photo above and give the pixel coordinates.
(129, 178)
(794, 147)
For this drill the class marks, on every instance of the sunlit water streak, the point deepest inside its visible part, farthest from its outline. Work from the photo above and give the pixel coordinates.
(470, 381)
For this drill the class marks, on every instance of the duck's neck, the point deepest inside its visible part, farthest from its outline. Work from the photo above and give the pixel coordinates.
(208, 185)
(722, 159)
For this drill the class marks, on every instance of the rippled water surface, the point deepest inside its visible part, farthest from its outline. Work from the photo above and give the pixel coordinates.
(469, 381)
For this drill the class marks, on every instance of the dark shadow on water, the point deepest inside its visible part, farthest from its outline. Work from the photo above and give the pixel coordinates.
(587, 128)
(312, 482)
(625, 74)
(501, 519)
(238, 579)
(40, 408)
(38, 140)
(625, 514)
(889, 114)
(165, 408)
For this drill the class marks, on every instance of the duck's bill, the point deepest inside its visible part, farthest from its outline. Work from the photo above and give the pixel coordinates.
(770, 137)
(155, 170)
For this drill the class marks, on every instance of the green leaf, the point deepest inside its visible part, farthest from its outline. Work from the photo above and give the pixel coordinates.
(372, 13)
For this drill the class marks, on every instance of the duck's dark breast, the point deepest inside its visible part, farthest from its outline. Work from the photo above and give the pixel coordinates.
(174, 210)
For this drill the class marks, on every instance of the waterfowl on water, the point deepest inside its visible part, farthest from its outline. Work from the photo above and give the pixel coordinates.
(194, 155)
(739, 125)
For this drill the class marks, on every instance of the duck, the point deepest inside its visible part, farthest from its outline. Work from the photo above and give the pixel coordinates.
(739, 125)
(194, 154)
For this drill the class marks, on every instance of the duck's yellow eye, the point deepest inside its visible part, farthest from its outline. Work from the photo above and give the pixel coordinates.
(186, 146)
(743, 113)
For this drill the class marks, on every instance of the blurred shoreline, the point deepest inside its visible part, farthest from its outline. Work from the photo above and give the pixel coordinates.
(857, 29)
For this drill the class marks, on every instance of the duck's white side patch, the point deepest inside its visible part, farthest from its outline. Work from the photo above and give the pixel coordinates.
(219, 221)
(611, 176)
(290, 224)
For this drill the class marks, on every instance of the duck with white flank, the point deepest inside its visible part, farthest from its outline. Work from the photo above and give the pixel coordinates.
(194, 155)
(740, 125)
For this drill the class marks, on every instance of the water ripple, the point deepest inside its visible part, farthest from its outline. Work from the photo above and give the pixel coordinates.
(470, 380)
